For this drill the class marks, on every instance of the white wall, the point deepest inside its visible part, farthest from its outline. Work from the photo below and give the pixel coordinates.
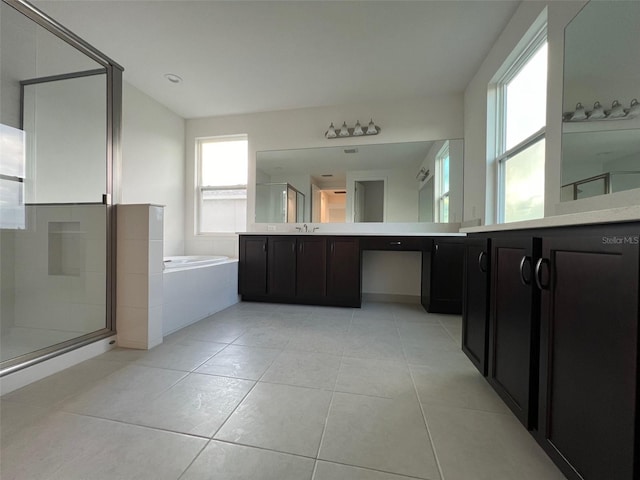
(153, 156)
(410, 120)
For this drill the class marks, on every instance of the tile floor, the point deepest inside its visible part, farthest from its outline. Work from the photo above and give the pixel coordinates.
(263, 391)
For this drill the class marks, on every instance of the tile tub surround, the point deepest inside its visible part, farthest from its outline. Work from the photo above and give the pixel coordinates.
(275, 392)
(139, 263)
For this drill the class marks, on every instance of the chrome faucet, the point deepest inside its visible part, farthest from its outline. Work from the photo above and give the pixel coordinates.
(306, 229)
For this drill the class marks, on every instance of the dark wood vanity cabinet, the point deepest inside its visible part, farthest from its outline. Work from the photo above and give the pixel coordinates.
(563, 339)
(442, 273)
(343, 271)
(311, 267)
(514, 325)
(475, 301)
(589, 416)
(281, 265)
(252, 274)
(300, 269)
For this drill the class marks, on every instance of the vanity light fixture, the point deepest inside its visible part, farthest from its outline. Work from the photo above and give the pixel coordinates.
(356, 131)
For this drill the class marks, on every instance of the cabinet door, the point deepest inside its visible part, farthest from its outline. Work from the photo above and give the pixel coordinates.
(447, 257)
(312, 267)
(282, 267)
(475, 304)
(588, 416)
(343, 272)
(514, 325)
(253, 266)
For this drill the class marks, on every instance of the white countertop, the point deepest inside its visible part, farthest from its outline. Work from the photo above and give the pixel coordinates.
(361, 234)
(621, 214)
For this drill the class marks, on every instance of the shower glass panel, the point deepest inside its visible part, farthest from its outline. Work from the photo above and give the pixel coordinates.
(279, 203)
(54, 211)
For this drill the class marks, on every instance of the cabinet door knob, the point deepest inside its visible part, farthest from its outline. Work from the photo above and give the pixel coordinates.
(480, 258)
(538, 274)
(525, 260)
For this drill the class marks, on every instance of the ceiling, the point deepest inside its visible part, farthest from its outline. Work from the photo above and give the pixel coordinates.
(250, 56)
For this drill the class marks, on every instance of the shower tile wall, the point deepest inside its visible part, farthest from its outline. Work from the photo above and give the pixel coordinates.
(54, 277)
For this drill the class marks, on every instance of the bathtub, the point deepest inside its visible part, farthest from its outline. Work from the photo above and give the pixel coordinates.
(190, 261)
(195, 287)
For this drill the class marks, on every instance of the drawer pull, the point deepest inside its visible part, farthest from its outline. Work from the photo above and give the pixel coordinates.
(525, 260)
(480, 258)
(395, 243)
(538, 275)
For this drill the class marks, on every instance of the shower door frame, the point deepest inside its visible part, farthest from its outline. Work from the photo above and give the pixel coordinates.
(110, 197)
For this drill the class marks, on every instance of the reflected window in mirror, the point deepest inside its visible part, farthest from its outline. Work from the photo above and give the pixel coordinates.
(520, 121)
(222, 184)
(442, 174)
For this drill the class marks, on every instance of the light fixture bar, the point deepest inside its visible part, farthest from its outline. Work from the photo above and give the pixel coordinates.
(357, 131)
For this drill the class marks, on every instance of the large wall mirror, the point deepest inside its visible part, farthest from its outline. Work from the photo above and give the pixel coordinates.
(601, 124)
(395, 182)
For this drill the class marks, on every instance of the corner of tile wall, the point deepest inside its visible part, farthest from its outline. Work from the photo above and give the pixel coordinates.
(139, 265)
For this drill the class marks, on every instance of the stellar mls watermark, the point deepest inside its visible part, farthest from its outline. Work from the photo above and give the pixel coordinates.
(621, 240)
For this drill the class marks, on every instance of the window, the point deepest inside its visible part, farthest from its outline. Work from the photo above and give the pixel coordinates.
(222, 184)
(12, 178)
(520, 128)
(442, 184)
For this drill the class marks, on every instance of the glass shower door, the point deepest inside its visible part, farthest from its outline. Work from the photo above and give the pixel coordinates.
(54, 213)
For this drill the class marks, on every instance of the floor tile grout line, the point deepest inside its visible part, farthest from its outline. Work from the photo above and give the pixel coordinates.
(426, 424)
(402, 475)
(333, 393)
(243, 398)
(131, 424)
(258, 447)
(424, 418)
(193, 460)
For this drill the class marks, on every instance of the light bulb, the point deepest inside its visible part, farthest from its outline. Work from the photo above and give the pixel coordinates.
(331, 133)
(357, 130)
(371, 128)
(344, 131)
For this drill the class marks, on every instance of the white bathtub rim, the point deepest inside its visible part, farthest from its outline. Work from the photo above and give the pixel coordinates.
(187, 266)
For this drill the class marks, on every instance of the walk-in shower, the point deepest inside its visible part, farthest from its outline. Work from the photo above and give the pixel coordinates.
(59, 132)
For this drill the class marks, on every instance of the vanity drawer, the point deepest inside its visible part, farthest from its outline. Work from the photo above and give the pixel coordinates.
(395, 243)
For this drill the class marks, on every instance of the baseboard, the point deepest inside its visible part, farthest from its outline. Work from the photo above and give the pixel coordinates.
(391, 298)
